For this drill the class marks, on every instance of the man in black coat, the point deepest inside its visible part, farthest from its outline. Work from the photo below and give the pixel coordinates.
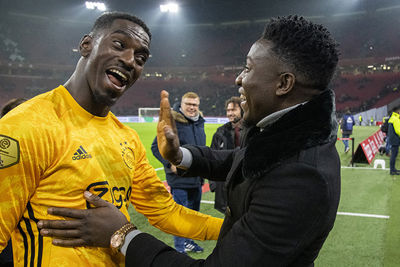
(226, 137)
(283, 183)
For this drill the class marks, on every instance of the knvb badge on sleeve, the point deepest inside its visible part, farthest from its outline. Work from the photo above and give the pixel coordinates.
(9, 151)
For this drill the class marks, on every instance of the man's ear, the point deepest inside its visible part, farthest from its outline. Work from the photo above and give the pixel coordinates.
(86, 45)
(286, 83)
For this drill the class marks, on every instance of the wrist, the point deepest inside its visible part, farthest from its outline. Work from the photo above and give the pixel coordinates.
(179, 157)
(118, 238)
(129, 237)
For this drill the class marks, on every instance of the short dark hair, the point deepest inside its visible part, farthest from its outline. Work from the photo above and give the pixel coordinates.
(234, 99)
(13, 103)
(306, 47)
(107, 18)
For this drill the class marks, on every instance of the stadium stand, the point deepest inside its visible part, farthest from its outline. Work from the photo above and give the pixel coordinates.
(200, 58)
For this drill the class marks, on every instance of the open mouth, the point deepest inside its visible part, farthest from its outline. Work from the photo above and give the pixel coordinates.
(242, 98)
(117, 77)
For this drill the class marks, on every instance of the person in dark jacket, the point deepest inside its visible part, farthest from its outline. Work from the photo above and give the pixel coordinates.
(346, 127)
(187, 192)
(284, 181)
(226, 137)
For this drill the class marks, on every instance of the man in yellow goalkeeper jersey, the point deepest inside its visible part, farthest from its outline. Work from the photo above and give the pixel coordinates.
(63, 142)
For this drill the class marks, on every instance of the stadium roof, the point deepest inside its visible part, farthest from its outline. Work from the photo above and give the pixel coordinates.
(197, 11)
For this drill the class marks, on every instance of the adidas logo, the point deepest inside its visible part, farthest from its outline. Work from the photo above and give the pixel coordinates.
(81, 154)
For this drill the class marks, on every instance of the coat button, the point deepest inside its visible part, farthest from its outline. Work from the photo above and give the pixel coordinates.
(228, 211)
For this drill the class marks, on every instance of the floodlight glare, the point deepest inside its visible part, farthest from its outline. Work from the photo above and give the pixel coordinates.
(93, 5)
(89, 5)
(169, 7)
(101, 7)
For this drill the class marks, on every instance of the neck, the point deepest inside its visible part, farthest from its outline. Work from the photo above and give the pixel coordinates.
(80, 90)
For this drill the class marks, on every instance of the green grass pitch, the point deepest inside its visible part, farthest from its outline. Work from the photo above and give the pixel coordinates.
(354, 240)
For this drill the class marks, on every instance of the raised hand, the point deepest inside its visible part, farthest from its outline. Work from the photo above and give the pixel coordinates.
(167, 137)
(89, 227)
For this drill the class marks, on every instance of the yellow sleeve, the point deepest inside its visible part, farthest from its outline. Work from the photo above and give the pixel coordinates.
(22, 161)
(151, 198)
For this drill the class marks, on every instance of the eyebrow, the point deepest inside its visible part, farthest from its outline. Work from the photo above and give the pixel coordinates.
(145, 49)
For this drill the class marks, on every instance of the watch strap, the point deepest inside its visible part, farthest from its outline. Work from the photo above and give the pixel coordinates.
(121, 233)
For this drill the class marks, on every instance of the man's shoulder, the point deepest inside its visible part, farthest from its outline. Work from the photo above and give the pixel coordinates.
(40, 108)
(225, 127)
(394, 117)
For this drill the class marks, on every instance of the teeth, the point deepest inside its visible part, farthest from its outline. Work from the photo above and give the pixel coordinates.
(120, 74)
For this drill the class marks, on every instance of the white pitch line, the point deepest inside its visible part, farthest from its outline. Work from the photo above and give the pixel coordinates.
(159, 169)
(339, 212)
(207, 202)
(364, 215)
(365, 168)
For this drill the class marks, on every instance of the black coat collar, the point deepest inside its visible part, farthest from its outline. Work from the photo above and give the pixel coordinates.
(308, 125)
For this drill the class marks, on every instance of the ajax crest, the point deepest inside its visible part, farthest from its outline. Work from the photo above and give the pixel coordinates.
(127, 155)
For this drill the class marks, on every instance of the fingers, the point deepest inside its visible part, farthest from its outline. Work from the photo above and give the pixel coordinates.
(67, 212)
(95, 200)
(165, 111)
(164, 102)
(165, 108)
(59, 224)
(164, 94)
(168, 132)
(65, 233)
(69, 242)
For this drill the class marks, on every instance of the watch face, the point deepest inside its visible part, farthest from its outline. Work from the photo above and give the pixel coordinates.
(117, 240)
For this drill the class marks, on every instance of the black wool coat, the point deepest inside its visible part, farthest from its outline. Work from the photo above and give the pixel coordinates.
(283, 194)
(222, 139)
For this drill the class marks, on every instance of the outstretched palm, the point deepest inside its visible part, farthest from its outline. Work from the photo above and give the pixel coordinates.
(167, 137)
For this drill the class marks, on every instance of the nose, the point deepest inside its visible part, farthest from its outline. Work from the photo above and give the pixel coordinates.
(128, 58)
(238, 80)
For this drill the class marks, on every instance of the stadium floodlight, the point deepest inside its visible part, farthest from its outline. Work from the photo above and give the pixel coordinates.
(169, 7)
(93, 5)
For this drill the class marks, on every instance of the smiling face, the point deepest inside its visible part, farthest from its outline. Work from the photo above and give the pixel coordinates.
(190, 106)
(259, 82)
(233, 112)
(115, 58)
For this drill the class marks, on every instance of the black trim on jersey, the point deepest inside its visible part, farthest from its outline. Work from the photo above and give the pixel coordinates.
(40, 241)
(25, 244)
(32, 236)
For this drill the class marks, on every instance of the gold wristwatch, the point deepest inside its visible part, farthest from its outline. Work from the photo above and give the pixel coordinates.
(118, 238)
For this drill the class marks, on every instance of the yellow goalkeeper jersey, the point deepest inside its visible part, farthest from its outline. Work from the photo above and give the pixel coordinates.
(51, 151)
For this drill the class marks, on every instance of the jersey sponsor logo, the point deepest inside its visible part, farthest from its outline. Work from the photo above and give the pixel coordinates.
(127, 155)
(118, 196)
(81, 154)
(9, 151)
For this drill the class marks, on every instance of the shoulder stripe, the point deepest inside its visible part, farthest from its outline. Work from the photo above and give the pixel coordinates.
(40, 241)
(25, 244)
